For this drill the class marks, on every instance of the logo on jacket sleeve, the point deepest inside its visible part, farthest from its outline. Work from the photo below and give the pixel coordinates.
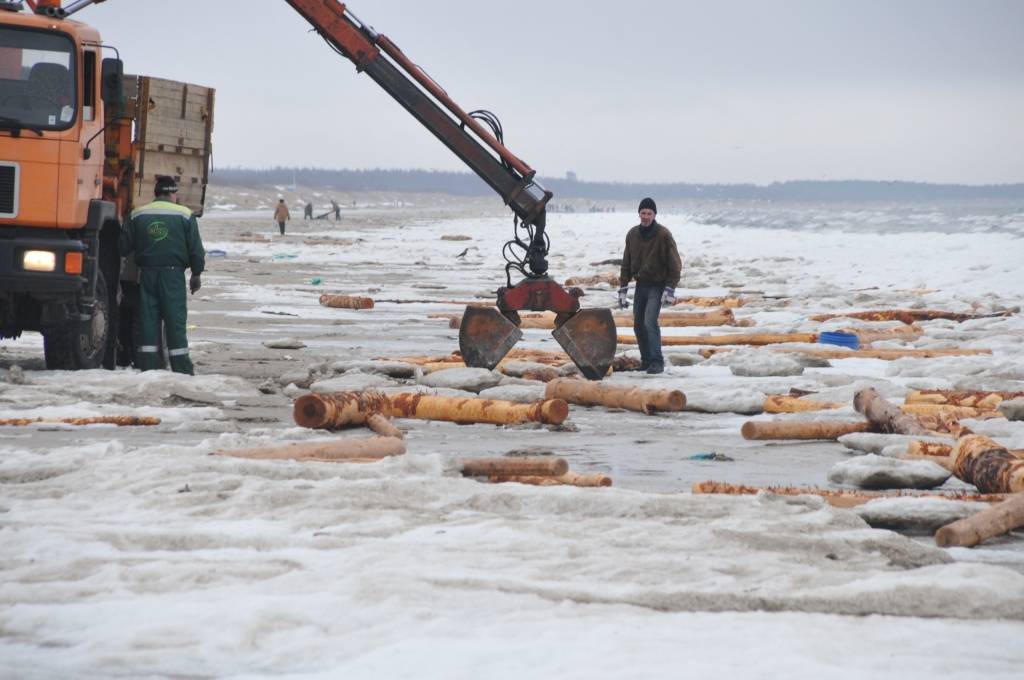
(157, 230)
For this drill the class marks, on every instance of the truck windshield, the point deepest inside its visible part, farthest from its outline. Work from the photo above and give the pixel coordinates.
(37, 79)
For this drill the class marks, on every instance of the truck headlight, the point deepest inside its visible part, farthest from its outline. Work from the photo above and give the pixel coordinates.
(39, 261)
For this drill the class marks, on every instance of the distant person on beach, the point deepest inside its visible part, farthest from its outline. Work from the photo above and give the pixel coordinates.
(309, 211)
(337, 210)
(281, 214)
(652, 259)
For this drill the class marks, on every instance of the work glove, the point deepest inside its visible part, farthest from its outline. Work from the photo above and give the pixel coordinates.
(623, 300)
(194, 283)
(668, 297)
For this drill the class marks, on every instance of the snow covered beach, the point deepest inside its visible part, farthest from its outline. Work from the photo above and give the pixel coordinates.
(130, 552)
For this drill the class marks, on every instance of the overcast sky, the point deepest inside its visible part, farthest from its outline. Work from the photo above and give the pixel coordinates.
(670, 90)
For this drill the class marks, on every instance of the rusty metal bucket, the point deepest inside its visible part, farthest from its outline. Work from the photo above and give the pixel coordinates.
(486, 336)
(590, 341)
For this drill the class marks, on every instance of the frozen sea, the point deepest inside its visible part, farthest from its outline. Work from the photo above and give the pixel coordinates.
(130, 552)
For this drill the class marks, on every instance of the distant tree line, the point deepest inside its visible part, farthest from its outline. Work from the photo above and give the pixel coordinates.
(468, 184)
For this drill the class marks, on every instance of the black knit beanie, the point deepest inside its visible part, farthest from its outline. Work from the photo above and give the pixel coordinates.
(648, 204)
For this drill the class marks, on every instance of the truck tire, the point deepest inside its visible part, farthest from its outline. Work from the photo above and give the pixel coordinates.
(82, 345)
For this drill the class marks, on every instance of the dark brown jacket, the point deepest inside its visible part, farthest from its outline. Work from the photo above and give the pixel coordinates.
(652, 261)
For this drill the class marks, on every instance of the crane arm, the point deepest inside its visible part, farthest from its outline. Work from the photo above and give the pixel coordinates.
(479, 148)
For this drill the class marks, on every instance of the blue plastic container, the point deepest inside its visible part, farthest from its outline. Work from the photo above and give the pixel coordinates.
(842, 339)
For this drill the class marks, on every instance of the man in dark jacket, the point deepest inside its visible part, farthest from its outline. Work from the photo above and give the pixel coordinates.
(652, 259)
(165, 239)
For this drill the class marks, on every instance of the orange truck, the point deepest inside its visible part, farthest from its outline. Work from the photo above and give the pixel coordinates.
(80, 144)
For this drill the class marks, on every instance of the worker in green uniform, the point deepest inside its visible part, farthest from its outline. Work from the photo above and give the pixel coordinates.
(165, 239)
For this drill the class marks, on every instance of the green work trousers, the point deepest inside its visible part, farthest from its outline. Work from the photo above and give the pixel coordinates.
(162, 298)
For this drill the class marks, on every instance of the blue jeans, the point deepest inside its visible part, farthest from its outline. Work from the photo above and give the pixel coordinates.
(646, 307)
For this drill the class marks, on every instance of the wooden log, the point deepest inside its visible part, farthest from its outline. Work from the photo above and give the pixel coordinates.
(120, 421)
(886, 416)
(542, 374)
(610, 278)
(718, 317)
(466, 411)
(987, 465)
(907, 316)
(837, 497)
(994, 521)
(335, 450)
(807, 429)
(338, 410)
(780, 403)
(568, 479)
(546, 466)
(535, 355)
(933, 451)
(943, 425)
(973, 398)
(951, 410)
(345, 409)
(589, 393)
(346, 301)
(755, 339)
(700, 301)
(382, 426)
(884, 354)
(866, 336)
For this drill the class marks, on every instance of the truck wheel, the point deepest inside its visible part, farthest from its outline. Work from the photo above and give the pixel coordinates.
(81, 345)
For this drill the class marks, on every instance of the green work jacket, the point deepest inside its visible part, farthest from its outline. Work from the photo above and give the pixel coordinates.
(164, 234)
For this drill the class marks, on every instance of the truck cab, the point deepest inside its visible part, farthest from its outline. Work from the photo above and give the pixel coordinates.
(58, 237)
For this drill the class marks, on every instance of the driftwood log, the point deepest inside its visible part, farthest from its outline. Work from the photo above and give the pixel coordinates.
(546, 320)
(755, 339)
(972, 398)
(346, 301)
(807, 429)
(995, 521)
(699, 301)
(336, 450)
(345, 409)
(588, 393)
(120, 421)
(866, 336)
(545, 466)
(951, 410)
(886, 416)
(987, 465)
(455, 359)
(883, 354)
(836, 497)
(908, 316)
(780, 403)
(568, 479)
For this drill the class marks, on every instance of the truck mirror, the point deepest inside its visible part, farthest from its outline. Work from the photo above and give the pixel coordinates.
(112, 81)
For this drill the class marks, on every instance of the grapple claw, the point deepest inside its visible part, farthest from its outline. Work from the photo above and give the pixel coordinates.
(590, 341)
(486, 336)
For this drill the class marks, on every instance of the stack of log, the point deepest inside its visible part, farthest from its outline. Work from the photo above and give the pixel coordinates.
(535, 470)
